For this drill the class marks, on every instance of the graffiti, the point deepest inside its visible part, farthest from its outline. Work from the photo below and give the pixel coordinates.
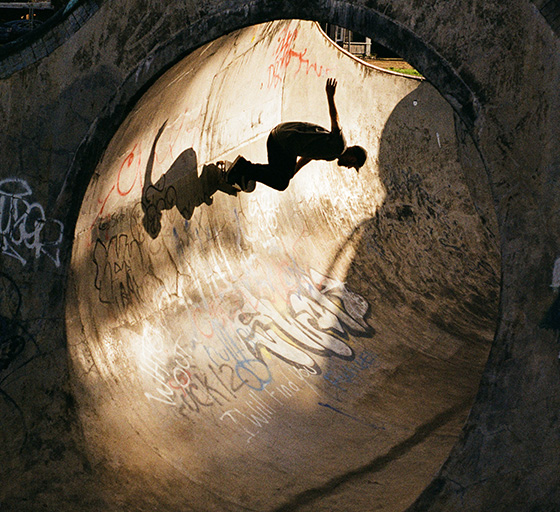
(335, 409)
(25, 231)
(263, 416)
(267, 213)
(258, 414)
(14, 342)
(192, 388)
(347, 374)
(246, 344)
(316, 325)
(258, 410)
(222, 356)
(320, 313)
(250, 371)
(324, 312)
(284, 54)
(127, 178)
(12, 334)
(176, 131)
(119, 268)
(107, 225)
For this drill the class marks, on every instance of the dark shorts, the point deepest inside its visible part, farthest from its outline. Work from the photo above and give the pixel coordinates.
(279, 170)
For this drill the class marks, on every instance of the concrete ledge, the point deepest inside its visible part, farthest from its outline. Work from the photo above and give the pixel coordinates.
(39, 43)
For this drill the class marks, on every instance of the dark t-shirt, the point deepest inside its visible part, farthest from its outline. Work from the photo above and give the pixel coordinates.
(309, 140)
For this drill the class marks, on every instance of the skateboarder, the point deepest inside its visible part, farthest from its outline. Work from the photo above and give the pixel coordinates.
(291, 140)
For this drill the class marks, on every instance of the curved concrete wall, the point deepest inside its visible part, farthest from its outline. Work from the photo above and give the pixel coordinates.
(272, 332)
(498, 67)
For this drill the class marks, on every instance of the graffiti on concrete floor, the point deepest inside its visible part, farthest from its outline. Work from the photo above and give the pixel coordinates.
(223, 355)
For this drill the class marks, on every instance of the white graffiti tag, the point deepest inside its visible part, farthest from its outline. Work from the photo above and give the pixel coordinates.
(323, 310)
(24, 227)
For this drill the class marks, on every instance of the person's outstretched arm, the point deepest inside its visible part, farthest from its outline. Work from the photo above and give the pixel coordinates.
(330, 89)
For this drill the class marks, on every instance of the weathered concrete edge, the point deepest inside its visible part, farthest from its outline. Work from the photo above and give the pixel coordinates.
(36, 45)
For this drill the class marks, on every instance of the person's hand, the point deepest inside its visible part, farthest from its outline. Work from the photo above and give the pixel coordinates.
(330, 88)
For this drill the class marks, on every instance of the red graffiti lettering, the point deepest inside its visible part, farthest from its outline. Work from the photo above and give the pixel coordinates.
(283, 55)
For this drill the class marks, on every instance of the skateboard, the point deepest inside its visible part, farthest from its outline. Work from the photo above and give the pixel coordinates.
(227, 167)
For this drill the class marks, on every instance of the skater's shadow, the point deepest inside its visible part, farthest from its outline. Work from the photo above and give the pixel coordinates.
(180, 186)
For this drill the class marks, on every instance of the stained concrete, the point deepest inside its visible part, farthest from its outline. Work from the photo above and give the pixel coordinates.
(362, 306)
(268, 344)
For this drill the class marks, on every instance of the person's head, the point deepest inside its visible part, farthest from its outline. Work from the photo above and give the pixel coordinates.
(353, 157)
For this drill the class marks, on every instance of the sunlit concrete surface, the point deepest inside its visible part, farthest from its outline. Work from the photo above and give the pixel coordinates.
(405, 318)
(313, 349)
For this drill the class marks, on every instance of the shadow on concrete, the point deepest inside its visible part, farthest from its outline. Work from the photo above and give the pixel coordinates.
(428, 264)
(421, 434)
(180, 187)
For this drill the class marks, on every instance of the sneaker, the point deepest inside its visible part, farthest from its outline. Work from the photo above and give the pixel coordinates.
(244, 184)
(234, 173)
(250, 186)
